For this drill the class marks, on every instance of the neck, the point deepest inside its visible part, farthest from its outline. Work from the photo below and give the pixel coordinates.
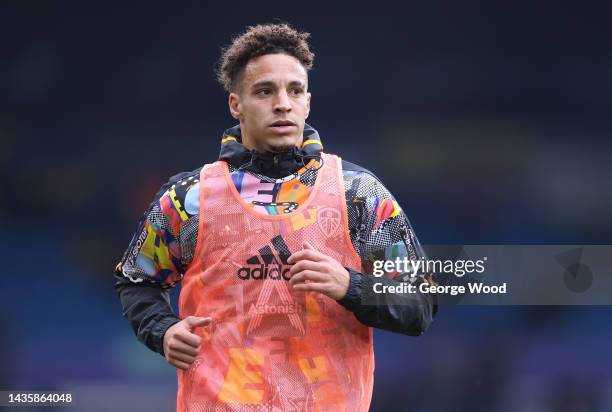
(241, 155)
(250, 145)
(276, 165)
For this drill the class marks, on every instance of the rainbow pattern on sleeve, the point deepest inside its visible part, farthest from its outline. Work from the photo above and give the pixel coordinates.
(385, 209)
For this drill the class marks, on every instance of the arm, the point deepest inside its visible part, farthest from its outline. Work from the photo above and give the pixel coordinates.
(154, 262)
(408, 313)
(379, 231)
(147, 307)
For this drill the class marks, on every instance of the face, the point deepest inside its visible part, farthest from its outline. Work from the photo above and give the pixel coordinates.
(272, 103)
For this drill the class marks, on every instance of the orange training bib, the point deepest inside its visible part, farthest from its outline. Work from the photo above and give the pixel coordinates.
(270, 348)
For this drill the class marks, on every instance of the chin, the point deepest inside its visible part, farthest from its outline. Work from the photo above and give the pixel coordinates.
(282, 144)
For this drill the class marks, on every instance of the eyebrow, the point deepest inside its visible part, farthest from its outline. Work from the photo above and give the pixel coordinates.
(268, 83)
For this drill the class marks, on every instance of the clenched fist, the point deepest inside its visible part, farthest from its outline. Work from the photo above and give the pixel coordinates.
(316, 272)
(181, 345)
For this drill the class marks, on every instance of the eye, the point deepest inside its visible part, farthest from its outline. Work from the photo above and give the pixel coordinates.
(297, 91)
(263, 92)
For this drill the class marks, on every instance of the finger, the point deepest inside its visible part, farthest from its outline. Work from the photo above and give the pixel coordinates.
(308, 246)
(181, 357)
(177, 346)
(189, 338)
(179, 364)
(307, 254)
(195, 321)
(310, 287)
(307, 265)
(309, 275)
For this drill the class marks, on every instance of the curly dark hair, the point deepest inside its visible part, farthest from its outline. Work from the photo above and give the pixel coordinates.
(257, 41)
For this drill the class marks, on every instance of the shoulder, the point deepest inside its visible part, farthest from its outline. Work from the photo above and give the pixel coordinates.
(354, 169)
(159, 228)
(177, 181)
(361, 181)
(365, 188)
(180, 195)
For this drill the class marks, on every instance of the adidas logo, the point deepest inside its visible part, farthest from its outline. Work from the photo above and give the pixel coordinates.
(274, 298)
(268, 265)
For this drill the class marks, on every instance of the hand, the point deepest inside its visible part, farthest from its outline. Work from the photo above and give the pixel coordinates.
(181, 345)
(317, 272)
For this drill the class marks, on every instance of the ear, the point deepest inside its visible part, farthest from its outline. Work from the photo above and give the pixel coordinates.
(235, 108)
(307, 104)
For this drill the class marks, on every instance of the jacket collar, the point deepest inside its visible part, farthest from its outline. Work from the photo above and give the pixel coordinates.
(274, 165)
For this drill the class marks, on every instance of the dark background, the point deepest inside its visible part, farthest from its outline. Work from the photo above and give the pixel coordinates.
(489, 121)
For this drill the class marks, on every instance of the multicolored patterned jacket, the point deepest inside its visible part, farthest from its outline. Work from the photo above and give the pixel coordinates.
(164, 243)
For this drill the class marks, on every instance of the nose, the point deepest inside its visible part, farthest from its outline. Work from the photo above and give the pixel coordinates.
(282, 103)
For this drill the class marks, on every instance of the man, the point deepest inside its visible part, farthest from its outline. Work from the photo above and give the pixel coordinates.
(273, 244)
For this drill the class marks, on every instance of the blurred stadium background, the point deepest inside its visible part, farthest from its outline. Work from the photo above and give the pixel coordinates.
(489, 121)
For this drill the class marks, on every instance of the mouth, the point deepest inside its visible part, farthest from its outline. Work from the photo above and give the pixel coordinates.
(282, 123)
(283, 126)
